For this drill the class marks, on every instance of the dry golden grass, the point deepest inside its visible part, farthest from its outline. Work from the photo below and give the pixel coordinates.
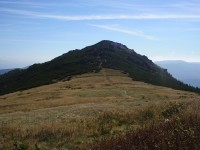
(70, 114)
(107, 86)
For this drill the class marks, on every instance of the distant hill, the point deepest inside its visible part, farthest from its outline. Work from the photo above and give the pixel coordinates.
(3, 71)
(185, 71)
(105, 54)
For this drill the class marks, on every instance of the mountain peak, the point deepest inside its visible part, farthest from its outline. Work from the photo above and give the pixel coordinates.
(111, 44)
(105, 54)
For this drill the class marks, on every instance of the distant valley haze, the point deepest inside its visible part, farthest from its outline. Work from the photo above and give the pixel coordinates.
(187, 72)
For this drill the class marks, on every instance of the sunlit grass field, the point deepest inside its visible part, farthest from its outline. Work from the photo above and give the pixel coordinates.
(90, 111)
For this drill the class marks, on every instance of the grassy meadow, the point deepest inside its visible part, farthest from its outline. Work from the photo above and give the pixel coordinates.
(104, 110)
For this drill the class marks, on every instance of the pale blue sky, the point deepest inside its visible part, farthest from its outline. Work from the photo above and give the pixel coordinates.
(35, 31)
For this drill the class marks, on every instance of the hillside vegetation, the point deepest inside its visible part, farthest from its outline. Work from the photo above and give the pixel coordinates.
(105, 54)
(99, 111)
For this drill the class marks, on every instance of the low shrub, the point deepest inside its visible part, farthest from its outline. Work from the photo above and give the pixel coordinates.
(175, 134)
(173, 109)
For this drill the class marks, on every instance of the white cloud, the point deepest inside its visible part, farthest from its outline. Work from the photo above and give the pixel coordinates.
(99, 17)
(130, 32)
